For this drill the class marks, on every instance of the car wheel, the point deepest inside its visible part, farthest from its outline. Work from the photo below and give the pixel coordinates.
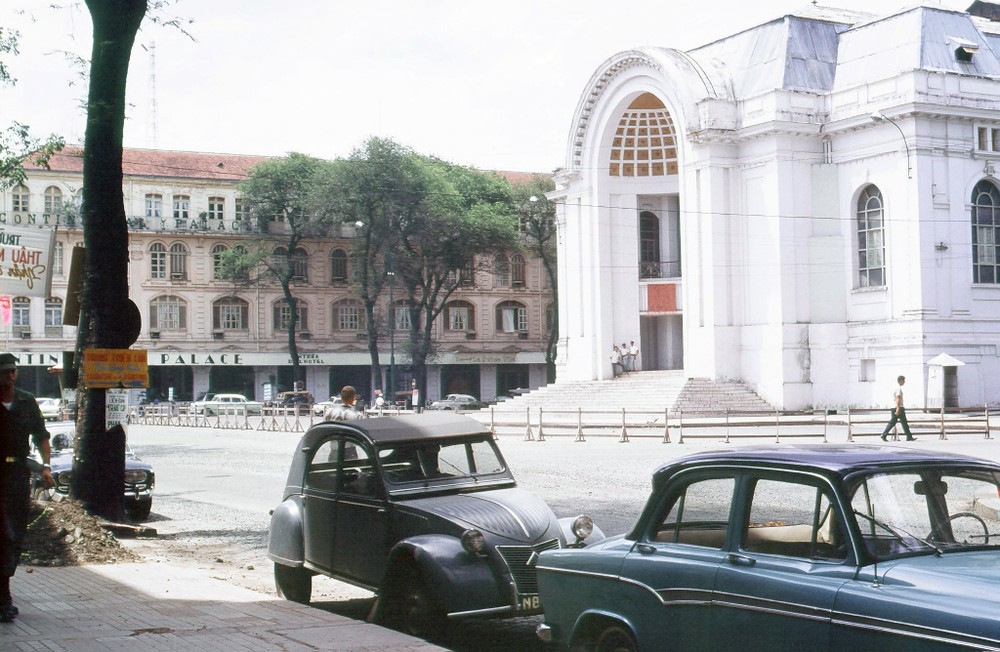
(293, 583)
(413, 610)
(139, 511)
(615, 639)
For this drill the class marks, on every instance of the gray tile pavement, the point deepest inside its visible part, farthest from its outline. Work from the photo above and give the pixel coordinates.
(156, 606)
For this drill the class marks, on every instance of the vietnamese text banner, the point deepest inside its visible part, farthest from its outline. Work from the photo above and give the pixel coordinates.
(26, 260)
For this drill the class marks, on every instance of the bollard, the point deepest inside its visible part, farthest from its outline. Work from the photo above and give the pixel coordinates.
(666, 425)
(624, 437)
(528, 436)
(579, 425)
(541, 435)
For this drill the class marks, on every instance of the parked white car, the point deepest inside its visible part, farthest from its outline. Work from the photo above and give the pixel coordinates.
(218, 403)
(51, 408)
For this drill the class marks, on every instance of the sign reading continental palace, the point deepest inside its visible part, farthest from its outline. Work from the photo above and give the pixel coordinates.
(26, 261)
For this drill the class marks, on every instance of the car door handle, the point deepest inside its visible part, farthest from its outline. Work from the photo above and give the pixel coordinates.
(740, 560)
(645, 549)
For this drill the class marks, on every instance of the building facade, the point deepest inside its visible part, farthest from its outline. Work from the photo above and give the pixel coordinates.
(204, 334)
(810, 206)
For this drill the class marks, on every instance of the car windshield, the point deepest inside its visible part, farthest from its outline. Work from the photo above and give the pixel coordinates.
(461, 460)
(927, 510)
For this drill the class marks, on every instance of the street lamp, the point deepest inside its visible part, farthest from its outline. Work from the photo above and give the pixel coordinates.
(877, 116)
(392, 338)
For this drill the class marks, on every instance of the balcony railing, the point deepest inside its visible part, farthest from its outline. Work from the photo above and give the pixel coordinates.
(660, 269)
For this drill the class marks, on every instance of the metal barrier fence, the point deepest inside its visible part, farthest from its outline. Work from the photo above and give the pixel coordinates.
(276, 419)
(668, 426)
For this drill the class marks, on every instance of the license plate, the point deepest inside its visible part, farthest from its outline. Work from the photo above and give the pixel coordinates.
(529, 603)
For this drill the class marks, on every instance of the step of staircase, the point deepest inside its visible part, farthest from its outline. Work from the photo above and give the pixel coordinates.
(641, 390)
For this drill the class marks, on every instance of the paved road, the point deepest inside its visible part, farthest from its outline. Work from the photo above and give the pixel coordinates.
(217, 487)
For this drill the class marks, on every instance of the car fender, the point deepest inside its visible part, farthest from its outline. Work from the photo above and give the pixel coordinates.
(459, 580)
(284, 544)
(566, 526)
(592, 621)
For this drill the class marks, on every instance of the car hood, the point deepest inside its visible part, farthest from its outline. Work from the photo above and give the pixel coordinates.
(955, 573)
(513, 514)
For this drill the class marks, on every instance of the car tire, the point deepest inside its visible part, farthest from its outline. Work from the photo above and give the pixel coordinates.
(293, 583)
(139, 511)
(43, 494)
(615, 639)
(413, 609)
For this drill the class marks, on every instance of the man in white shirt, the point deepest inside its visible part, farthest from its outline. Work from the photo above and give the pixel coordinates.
(633, 354)
(898, 413)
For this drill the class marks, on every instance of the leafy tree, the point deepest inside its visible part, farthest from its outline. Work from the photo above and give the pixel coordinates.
(537, 216)
(277, 193)
(17, 144)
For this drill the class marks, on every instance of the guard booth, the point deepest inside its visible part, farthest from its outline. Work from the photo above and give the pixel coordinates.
(942, 381)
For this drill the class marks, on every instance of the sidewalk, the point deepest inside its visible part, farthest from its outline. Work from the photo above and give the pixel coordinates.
(156, 606)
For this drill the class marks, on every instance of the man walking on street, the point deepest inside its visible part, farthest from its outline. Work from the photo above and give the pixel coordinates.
(20, 418)
(344, 411)
(898, 413)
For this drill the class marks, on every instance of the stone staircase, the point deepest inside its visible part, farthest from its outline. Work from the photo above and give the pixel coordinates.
(640, 391)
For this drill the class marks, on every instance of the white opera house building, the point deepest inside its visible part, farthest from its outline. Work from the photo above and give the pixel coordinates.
(810, 206)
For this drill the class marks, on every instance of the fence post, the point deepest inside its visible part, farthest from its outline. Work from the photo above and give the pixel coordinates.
(624, 438)
(579, 425)
(680, 426)
(727, 427)
(528, 436)
(942, 435)
(493, 422)
(666, 425)
(850, 426)
(777, 426)
(826, 421)
(986, 410)
(541, 434)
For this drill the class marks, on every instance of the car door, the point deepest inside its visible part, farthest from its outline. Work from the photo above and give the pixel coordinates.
(319, 504)
(675, 561)
(776, 588)
(361, 531)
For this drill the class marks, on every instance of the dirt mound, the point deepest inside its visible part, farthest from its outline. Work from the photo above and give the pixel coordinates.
(63, 534)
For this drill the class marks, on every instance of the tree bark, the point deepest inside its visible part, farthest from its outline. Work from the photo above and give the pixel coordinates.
(98, 479)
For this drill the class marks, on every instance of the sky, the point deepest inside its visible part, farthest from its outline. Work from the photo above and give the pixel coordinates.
(492, 85)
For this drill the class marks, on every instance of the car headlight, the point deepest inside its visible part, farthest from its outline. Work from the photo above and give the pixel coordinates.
(63, 479)
(583, 527)
(474, 542)
(135, 476)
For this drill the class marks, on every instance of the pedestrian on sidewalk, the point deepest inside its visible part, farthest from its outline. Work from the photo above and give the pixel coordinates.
(20, 418)
(633, 354)
(898, 412)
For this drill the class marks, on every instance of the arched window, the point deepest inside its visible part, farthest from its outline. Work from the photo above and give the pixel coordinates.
(178, 262)
(348, 315)
(300, 264)
(53, 201)
(871, 239)
(643, 144)
(283, 315)
(338, 266)
(217, 252)
(649, 245)
(53, 317)
(157, 261)
(20, 312)
(985, 233)
(518, 271)
(57, 259)
(459, 316)
(501, 267)
(20, 197)
(512, 317)
(167, 313)
(230, 313)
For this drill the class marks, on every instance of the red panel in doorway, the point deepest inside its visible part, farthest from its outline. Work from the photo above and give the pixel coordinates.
(661, 298)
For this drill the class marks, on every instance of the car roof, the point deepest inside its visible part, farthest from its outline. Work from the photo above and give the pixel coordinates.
(834, 458)
(404, 427)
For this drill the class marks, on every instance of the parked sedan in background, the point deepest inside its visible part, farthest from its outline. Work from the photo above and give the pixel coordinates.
(457, 402)
(214, 404)
(51, 408)
(420, 509)
(320, 408)
(139, 477)
(792, 548)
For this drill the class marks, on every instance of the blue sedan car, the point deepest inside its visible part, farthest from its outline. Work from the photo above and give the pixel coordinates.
(792, 548)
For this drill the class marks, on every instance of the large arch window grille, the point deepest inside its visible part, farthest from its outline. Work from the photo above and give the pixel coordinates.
(167, 313)
(985, 228)
(644, 144)
(871, 238)
(230, 313)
